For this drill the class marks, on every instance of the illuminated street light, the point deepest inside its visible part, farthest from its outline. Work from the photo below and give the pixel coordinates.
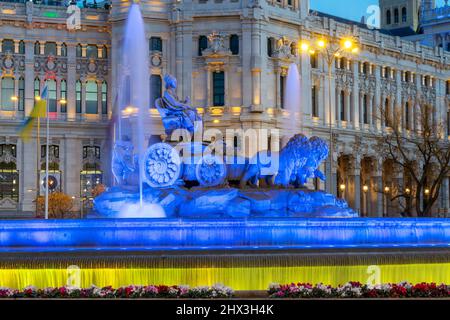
(14, 98)
(37, 98)
(342, 187)
(407, 190)
(427, 191)
(387, 189)
(63, 101)
(365, 188)
(304, 46)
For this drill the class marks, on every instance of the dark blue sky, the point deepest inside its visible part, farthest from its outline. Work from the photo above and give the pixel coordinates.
(349, 9)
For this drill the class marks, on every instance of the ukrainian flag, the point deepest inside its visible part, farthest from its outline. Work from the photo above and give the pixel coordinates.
(39, 111)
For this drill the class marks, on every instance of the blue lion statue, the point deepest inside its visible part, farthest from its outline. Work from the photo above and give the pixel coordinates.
(125, 164)
(297, 162)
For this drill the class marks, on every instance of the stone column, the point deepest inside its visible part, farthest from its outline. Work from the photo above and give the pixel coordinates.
(72, 164)
(330, 116)
(305, 87)
(83, 98)
(29, 77)
(27, 166)
(354, 184)
(347, 107)
(376, 189)
(187, 59)
(246, 63)
(179, 58)
(370, 116)
(209, 93)
(356, 105)
(71, 81)
(277, 88)
(338, 107)
(445, 195)
(378, 103)
(256, 64)
(361, 109)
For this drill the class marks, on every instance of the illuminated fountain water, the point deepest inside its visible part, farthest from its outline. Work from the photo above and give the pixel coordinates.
(262, 223)
(292, 101)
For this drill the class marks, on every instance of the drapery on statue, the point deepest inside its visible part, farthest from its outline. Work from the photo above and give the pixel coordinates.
(177, 114)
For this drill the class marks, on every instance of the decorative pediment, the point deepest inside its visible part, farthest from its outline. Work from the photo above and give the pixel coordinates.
(7, 203)
(283, 49)
(217, 46)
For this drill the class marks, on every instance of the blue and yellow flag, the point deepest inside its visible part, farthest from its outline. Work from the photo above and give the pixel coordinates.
(39, 111)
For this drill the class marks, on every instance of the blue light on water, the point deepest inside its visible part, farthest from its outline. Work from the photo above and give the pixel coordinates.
(222, 234)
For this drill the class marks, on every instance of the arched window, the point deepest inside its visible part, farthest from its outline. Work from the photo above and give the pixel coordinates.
(37, 48)
(22, 47)
(63, 94)
(79, 51)
(234, 44)
(342, 102)
(21, 102)
(404, 16)
(51, 87)
(104, 97)
(202, 44)
(91, 97)
(78, 94)
(387, 113)
(155, 88)
(50, 48)
(37, 87)
(92, 51)
(63, 50)
(396, 15)
(7, 93)
(8, 45)
(388, 17)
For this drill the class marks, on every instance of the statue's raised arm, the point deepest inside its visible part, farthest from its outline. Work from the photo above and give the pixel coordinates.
(177, 114)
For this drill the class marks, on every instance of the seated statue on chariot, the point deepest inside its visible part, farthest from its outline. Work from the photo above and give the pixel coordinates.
(177, 114)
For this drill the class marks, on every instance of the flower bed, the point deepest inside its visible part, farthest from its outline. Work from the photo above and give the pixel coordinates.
(358, 290)
(151, 291)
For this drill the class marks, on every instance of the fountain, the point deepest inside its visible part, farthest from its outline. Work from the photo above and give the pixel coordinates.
(215, 216)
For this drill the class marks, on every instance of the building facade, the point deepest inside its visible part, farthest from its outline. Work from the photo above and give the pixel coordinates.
(231, 57)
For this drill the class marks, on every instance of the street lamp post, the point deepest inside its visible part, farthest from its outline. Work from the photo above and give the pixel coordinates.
(331, 49)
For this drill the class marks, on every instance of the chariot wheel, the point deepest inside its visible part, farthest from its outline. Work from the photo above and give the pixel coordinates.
(210, 171)
(162, 165)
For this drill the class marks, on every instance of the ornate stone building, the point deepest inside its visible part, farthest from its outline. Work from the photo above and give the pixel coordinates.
(231, 57)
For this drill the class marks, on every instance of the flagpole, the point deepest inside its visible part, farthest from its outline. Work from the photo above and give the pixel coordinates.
(38, 153)
(46, 158)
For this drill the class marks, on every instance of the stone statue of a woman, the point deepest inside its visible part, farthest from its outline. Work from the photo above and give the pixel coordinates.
(177, 114)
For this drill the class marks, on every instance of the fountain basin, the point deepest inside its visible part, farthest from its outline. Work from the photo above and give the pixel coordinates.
(222, 234)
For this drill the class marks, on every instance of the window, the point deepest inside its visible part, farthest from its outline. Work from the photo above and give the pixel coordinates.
(293, 49)
(92, 51)
(78, 94)
(447, 90)
(21, 97)
(313, 59)
(269, 47)
(21, 47)
(104, 52)
(51, 87)
(7, 93)
(9, 177)
(282, 89)
(79, 51)
(63, 50)
(289, 2)
(366, 109)
(202, 44)
(53, 151)
(155, 88)
(396, 15)
(314, 107)
(63, 96)
(388, 17)
(404, 16)
(219, 88)
(8, 45)
(93, 151)
(234, 44)
(104, 97)
(156, 44)
(407, 124)
(386, 113)
(37, 48)
(37, 87)
(50, 48)
(91, 97)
